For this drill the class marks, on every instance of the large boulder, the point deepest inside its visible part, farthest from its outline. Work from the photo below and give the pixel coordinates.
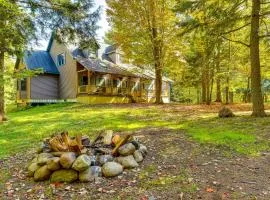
(81, 163)
(225, 113)
(42, 173)
(102, 159)
(128, 162)
(64, 175)
(90, 174)
(32, 168)
(54, 164)
(138, 156)
(127, 149)
(43, 158)
(67, 159)
(111, 169)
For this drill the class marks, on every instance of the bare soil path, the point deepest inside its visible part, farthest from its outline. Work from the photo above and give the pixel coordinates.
(175, 168)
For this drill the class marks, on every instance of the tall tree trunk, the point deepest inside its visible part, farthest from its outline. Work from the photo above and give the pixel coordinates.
(227, 90)
(256, 92)
(2, 87)
(218, 89)
(157, 53)
(203, 87)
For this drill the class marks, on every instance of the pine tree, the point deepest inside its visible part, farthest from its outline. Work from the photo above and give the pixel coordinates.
(22, 21)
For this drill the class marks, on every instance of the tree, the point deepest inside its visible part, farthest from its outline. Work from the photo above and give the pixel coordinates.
(257, 97)
(235, 16)
(22, 21)
(144, 29)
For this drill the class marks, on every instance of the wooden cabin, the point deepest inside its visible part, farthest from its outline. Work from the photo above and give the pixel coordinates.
(77, 75)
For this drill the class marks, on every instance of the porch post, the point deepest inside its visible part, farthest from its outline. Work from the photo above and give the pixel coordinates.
(88, 83)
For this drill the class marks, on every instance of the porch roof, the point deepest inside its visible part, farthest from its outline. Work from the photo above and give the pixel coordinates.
(96, 65)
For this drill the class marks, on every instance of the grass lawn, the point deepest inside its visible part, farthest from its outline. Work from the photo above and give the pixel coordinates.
(26, 128)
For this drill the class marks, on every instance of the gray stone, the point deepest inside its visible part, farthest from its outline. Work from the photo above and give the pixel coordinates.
(138, 156)
(81, 163)
(32, 167)
(85, 140)
(127, 149)
(67, 159)
(104, 159)
(42, 174)
(54, 164)
(90, 174)
(64, 175)
(43, 158)
(111, 169)
(128, 162)
(143, 150)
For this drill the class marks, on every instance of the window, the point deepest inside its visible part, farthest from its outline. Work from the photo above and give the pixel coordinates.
(116, 82)
(84, 80)
(23, 84)
(61, 60)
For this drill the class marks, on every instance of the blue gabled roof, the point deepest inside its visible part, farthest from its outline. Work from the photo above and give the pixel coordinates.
(40, 59)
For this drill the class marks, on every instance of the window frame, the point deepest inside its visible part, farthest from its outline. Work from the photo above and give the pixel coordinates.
(23, 82)
(63, 61)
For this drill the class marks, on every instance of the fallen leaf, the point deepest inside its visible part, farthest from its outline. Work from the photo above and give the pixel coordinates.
(210, 190)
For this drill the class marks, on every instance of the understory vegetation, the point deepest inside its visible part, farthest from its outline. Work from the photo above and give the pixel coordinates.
(26, 128)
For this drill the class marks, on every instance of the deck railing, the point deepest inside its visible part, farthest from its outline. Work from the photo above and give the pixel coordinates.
(105, 90)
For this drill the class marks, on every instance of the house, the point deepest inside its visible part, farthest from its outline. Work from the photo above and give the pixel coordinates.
(74, 74)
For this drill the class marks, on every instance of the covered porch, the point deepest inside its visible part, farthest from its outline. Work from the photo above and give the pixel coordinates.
(108, 84)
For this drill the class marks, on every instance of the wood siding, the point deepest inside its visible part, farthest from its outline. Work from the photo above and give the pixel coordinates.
(68, 71)
(44, 87)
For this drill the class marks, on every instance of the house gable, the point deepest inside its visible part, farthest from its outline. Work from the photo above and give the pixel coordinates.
(67, 69)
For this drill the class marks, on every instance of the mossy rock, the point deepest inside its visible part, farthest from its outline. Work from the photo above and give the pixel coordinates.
(64, 175)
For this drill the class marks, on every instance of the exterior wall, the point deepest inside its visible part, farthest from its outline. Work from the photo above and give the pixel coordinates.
(95, 99)
(44, 87)
(68, 72)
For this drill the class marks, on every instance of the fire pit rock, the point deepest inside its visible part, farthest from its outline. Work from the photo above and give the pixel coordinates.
(128, 162)
(82, 163)
(64, 175)
(111, 169)
(42, 173)
(68, 159)
(127, 149)
(53, 164)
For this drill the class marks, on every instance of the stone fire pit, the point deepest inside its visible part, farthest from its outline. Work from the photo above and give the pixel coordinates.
(67, 159)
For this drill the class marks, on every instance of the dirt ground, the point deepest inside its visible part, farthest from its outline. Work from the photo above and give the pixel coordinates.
(175, 168)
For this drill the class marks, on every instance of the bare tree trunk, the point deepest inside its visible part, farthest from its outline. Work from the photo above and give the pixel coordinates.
(203, 86)
(2, 87)
(256, 92)
(227, 90)
(218, 89)
(157, 53)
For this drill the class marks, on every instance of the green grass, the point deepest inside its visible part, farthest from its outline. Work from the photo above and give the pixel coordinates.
(240, 134)
(26, 128)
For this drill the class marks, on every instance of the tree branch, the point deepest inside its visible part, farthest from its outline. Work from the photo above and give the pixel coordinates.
(237, 29)
(236, 41)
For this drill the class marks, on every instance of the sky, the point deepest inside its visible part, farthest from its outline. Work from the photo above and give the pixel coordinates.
(103, 24)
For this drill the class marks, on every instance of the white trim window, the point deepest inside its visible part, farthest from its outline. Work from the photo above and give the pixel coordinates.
(61, 59)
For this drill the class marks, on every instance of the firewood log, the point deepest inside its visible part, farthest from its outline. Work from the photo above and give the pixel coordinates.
(120, 143)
